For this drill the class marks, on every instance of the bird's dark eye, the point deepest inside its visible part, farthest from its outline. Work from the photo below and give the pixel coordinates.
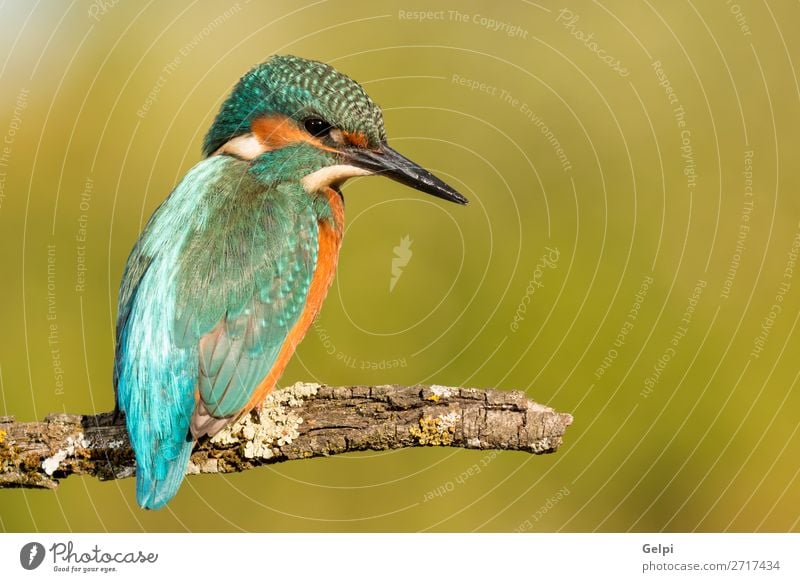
(317, 127)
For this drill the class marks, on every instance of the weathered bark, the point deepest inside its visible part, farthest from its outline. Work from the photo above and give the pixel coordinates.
(299, 422)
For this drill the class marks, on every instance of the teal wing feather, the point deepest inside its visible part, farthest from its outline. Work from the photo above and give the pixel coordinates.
(249, 302)
(209, 293)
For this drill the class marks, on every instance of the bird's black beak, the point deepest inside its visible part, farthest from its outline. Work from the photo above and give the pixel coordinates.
(387, 162)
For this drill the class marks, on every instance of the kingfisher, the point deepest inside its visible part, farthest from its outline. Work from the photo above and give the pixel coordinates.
(232, 268)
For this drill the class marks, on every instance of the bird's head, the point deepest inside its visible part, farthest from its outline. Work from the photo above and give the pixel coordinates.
(311, 111)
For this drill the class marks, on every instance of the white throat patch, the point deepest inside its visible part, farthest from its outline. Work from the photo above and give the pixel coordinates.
(331, 176)
(247, 147)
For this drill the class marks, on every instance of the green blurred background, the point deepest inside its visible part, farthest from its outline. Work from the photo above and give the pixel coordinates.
(646, 150)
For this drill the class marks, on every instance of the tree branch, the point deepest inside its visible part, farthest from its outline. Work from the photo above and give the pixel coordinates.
(298, 422)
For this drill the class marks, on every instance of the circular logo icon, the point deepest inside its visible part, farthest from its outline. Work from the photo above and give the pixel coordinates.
(31, 555)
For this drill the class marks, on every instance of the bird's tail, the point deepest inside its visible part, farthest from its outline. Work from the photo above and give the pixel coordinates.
(158, 480)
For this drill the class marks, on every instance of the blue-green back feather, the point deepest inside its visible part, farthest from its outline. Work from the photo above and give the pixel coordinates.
(255, 272)
(211, 289)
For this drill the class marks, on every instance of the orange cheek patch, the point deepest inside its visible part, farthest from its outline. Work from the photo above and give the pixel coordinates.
(277, 131)
(356, 139)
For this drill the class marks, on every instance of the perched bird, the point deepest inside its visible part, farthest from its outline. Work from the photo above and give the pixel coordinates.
(232, 268)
